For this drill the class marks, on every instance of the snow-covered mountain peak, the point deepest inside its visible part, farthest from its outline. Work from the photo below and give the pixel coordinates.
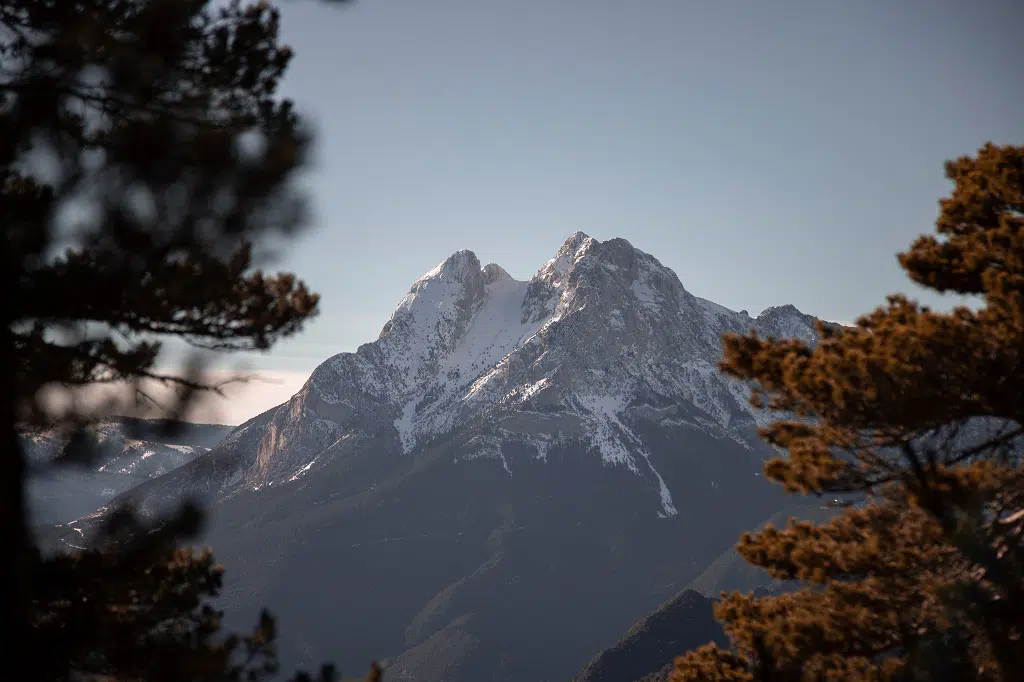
(581, 256)
(554, 274)
(459, 265)
(785, 321)
(602, 345)
(776, 312)
(494, 273)
(574, 242)
(452, 282)
(600, 275)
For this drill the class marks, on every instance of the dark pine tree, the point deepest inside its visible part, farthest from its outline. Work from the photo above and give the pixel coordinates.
(143, 152)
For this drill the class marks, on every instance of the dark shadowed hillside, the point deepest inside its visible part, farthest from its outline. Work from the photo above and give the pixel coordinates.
(646, 652)
(730, 572)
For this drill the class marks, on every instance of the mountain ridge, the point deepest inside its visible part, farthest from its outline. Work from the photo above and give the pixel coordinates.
(462, 487)
(602, 333)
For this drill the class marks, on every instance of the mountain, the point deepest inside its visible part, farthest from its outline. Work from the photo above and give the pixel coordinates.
(686, 621)
(507, 479)
(646, 652)
(128, 452)
(601, 336)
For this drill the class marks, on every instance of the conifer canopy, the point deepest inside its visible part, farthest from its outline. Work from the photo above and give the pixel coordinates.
(144, 156)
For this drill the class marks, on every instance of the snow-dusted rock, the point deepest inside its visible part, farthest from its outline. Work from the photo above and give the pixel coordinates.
(602, 339)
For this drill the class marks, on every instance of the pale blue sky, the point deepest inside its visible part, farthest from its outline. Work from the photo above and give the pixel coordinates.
(769, 152)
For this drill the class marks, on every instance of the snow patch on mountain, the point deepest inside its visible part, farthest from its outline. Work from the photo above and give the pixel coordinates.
(486, 447)
(617, 443)
(475, 323)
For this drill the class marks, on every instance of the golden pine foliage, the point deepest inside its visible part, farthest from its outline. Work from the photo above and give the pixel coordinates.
(914, 413)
